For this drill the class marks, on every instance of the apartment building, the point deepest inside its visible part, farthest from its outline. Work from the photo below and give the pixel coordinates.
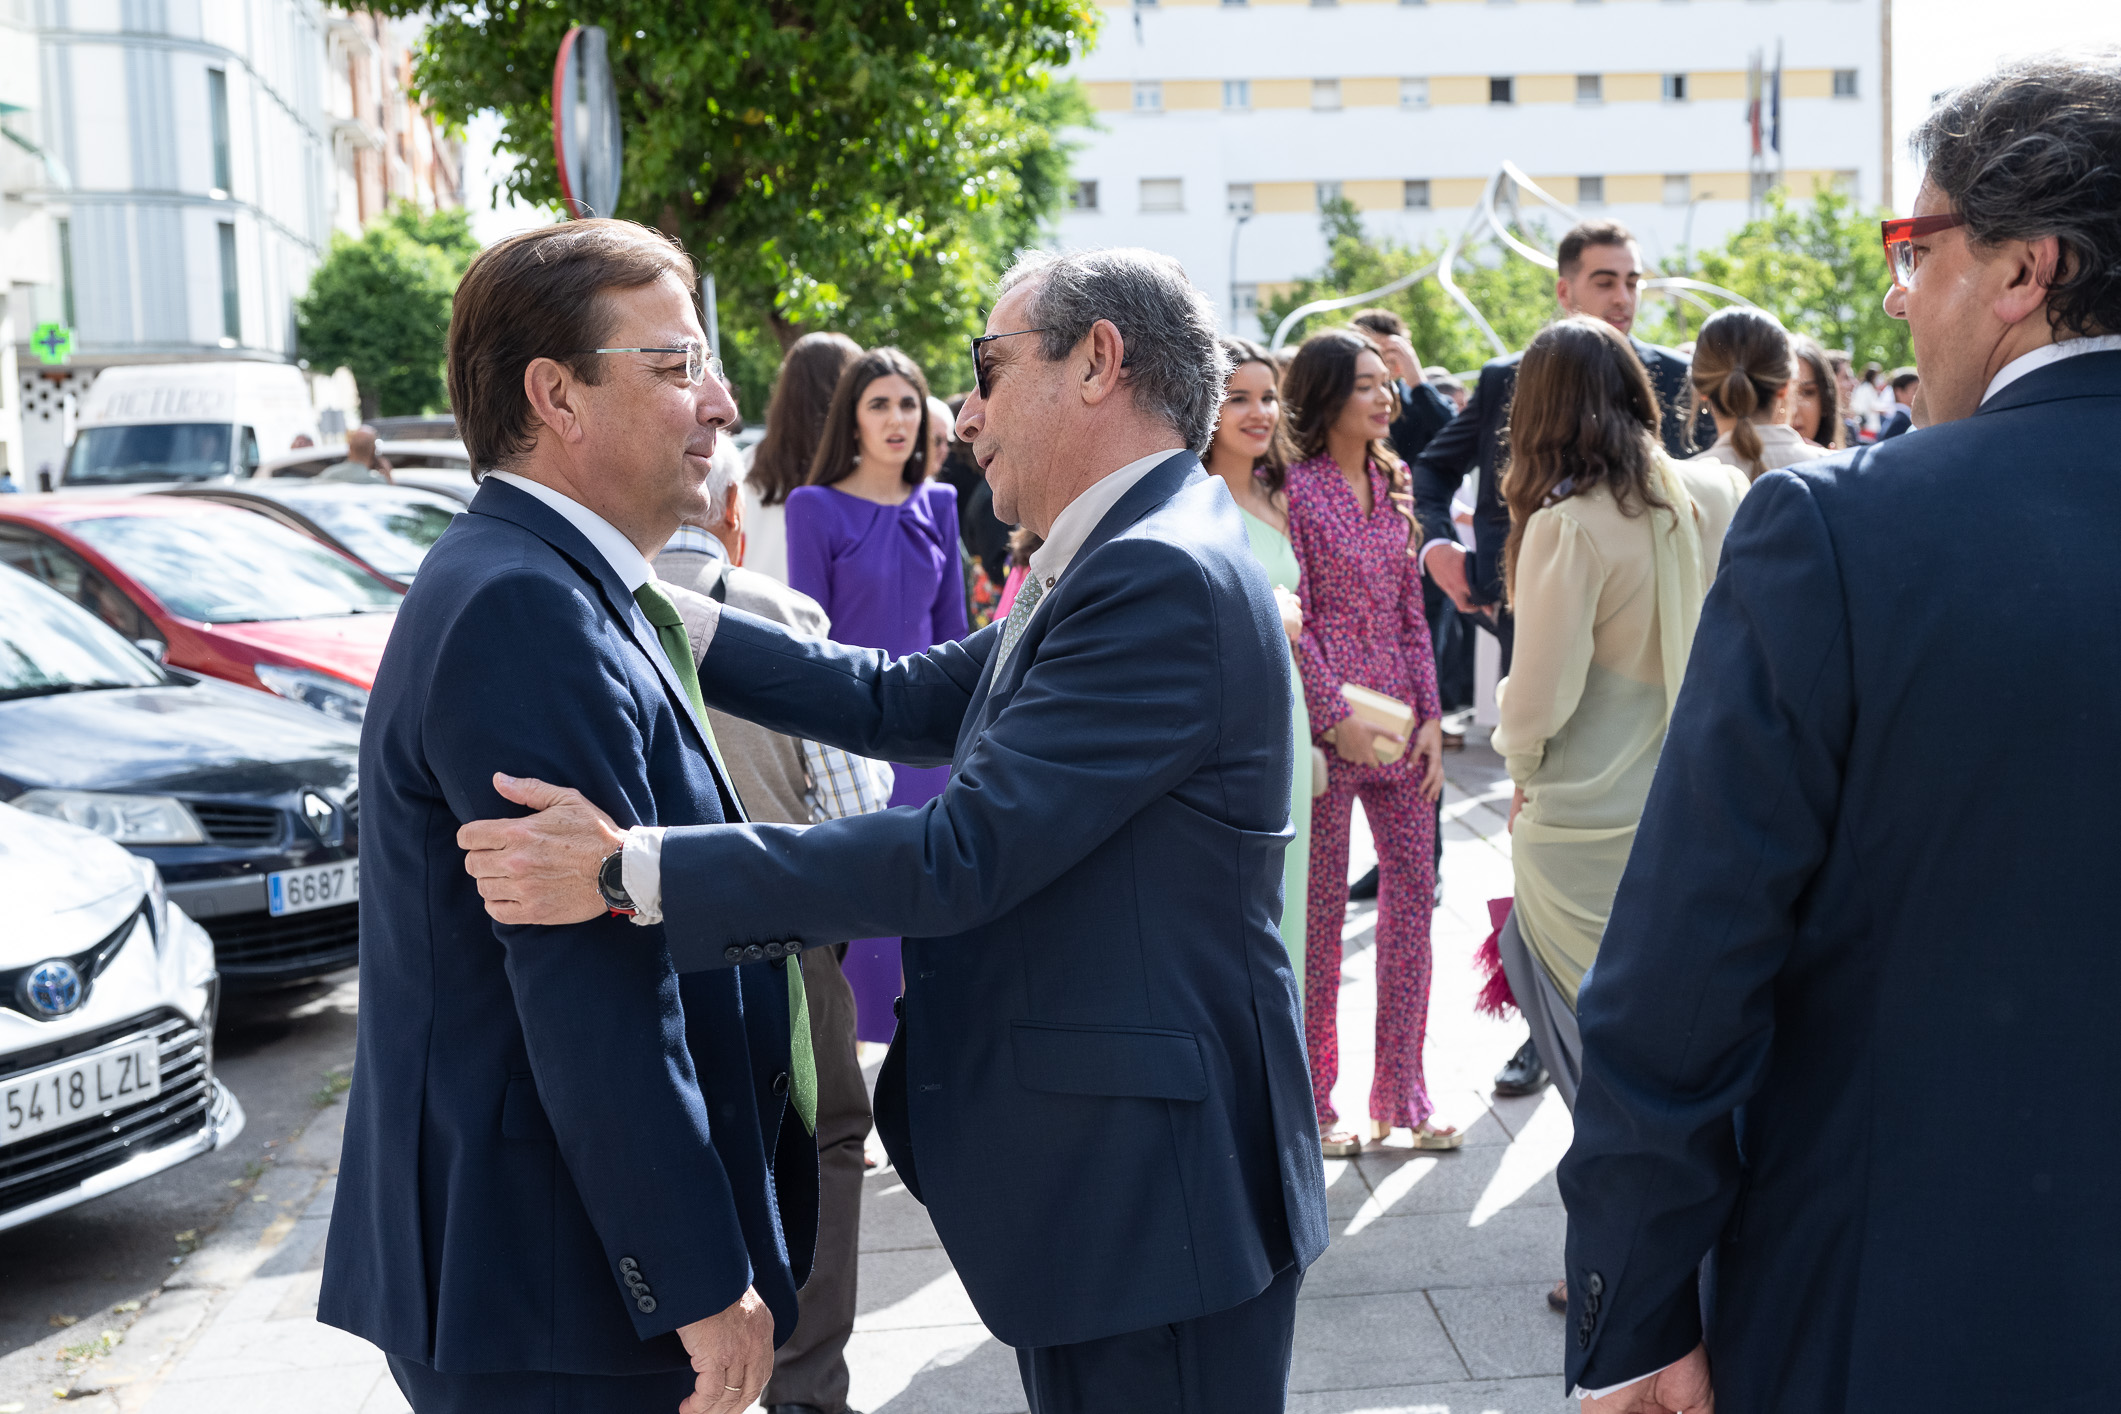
(1224, 124)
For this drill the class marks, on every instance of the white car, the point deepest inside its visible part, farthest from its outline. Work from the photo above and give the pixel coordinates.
(107, 1000)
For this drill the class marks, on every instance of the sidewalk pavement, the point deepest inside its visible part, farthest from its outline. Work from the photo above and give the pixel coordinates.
(1430, 1299)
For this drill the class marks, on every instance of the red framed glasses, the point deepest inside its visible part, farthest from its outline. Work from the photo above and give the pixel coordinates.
(1900, 234)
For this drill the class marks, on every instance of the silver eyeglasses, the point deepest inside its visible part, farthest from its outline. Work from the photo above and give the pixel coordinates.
(698, 362)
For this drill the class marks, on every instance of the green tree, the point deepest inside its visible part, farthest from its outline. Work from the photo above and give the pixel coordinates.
(837, 164)
(380, 306)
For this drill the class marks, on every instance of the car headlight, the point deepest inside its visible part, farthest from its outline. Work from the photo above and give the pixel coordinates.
(334, 697)
(128, 819)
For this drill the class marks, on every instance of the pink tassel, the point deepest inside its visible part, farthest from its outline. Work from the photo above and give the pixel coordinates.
(1495, 999)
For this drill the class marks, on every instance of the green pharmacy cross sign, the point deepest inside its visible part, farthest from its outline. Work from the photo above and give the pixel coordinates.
(54, 343)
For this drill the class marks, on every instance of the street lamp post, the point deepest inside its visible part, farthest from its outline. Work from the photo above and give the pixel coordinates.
(1235, 231)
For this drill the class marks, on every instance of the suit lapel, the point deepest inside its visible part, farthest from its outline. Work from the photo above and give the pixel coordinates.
(505, 502)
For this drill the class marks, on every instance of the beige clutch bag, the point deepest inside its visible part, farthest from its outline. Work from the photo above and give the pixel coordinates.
(1389, 714)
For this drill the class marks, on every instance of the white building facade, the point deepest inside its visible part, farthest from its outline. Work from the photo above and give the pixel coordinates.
(1636, 110)
(191, 160)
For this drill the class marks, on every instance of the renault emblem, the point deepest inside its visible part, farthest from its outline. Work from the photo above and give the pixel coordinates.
(52, 988)
(317, 810)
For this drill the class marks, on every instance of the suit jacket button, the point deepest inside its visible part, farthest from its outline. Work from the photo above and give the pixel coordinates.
(898, 1007)
(645, 1305)
(780, 1083)
(733, 954)
(754, 952)
(627, 1264)
(1596, 1284)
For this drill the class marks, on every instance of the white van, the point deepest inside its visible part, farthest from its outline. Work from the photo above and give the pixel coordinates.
(186, 422)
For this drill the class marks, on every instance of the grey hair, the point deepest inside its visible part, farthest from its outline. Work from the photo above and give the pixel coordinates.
(724, 472)
(1176, 368)
(2034, 150)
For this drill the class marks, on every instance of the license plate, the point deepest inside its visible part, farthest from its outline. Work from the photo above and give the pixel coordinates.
(79, 1089)
(318, 886)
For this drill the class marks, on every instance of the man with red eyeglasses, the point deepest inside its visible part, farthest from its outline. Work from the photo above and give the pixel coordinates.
(1821, 1161)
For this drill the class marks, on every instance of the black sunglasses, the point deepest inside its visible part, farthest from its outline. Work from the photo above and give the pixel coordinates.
(979, 363)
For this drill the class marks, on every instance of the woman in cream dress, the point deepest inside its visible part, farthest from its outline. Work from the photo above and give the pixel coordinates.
(1612, 548)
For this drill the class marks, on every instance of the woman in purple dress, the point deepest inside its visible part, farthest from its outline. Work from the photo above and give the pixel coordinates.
(874, 541)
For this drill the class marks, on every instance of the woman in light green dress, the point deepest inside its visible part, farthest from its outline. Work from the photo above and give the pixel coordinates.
(1250, 455)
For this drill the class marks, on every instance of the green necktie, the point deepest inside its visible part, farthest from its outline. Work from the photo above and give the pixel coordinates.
(677, 647)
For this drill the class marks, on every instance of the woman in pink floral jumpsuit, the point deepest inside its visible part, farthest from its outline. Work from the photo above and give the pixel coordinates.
(1363, 623)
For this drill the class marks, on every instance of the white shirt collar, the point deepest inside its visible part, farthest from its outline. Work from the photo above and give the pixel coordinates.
(618, 552)
(1081, 516)
(2046, 354)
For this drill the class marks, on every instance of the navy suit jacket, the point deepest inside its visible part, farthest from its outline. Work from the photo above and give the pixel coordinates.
(1098, 1085)
(1476, 436)
(531, 1106)
(1852, 1018)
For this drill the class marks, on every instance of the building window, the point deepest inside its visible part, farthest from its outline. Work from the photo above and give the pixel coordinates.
(231, 300)
(1325, 95)
(1163, 194)
(1763, 183)
(217, 106)
(1238, 199)
(1413, 93)
(1416, 196)
(1324, 4)
(1844, 83)
(66, 271)
(1590, 88)
(1590, 191)
(1675, 88)
(1237, 93)
(1328, 192)
(1247, 302)
(1845, 183)
(1678, 188)
(1235, 4)
(1502, 90)
(1148, 96)
(1084, 197)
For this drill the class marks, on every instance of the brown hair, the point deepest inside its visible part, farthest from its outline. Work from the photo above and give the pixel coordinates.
(1318, 384)
(1271, 468)
(539, 294)
(1831, 431)
(1584, 414)
(1568, 258)
(802, 396)
(1742, 362)
(1379, 321)
(840, 443)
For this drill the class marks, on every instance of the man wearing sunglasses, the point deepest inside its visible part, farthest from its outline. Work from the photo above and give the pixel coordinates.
(1098, 1085)
(1839, 1146)
(572, 1178)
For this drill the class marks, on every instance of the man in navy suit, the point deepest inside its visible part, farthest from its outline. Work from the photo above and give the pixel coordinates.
(1862, 931)
(1098, 1084)
(572, 1178)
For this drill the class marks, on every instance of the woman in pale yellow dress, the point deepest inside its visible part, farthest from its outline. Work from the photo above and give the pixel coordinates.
(1250, 454)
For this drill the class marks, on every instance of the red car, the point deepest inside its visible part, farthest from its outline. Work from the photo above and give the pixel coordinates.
(213, 590)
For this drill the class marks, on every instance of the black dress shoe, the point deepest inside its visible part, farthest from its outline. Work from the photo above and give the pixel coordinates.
(1364, 889)
(1524, 1074)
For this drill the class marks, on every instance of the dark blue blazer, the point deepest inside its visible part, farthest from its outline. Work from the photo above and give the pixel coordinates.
(1476, 438)
(1098, 1085)
(531, 1106)
(1850, 1030)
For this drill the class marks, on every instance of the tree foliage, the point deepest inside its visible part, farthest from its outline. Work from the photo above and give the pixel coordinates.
(859, 165)
(379, 305)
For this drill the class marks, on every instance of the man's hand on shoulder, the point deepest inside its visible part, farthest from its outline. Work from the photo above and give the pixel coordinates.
(732, 1355)
(1679, 1388)
(541, 868)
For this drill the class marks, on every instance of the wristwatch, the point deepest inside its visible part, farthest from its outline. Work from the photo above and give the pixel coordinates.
(611, 883)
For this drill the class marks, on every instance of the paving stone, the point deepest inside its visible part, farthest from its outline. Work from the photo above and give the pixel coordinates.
(1454, 1184)
(1345, 1342)
(894, 1221)
(942, 1370)
(1540, 1396)
(1503, 1331)
(1428, 1250)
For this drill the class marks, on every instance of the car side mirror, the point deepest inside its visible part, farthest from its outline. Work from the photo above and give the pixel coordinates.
(154, 648)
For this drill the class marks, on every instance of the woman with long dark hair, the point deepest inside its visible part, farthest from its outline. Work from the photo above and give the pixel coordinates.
(874, 541)
(1815, 403)
(1353, 533)
(795, 419)
(1612, 548)
(1250, 453)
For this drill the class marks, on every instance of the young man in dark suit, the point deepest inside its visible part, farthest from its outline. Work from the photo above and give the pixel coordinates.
(1599, 273)
(1098, 1085)
(1862, 932)
(572, 1179)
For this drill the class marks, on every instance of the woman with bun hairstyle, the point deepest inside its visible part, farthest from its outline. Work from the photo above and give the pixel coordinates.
(1352, 527)
(1744, 369)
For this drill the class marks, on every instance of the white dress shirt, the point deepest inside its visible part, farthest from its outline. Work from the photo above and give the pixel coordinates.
(1081, 516)
(2046, 354)
(621, 554)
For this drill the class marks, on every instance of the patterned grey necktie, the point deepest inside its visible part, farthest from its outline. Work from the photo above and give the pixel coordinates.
(1027, 597)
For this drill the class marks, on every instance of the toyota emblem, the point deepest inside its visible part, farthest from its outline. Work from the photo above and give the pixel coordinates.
(53, 988)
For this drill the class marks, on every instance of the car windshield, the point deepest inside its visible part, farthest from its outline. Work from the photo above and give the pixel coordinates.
(235, 568)
(48, 645)
(160, 451)
(390, 527)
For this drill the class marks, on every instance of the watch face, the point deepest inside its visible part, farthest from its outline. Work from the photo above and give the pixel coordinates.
(611, 880)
